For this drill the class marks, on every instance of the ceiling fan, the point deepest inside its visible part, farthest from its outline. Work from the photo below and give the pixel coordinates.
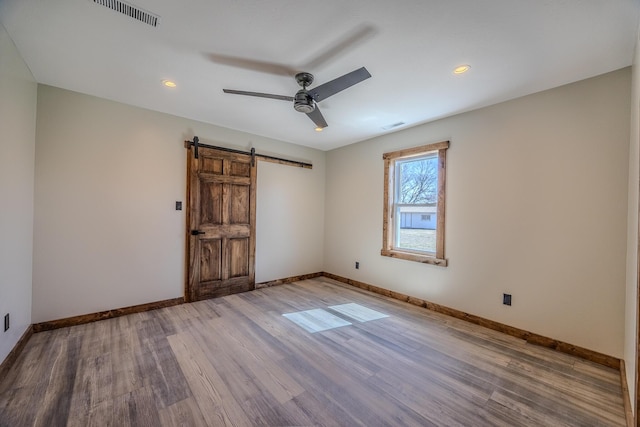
(305, 100)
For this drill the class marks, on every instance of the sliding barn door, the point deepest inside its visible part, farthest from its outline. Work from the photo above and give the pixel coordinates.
(222, 217)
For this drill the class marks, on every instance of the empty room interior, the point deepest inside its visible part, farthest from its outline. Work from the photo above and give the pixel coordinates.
(450, 237)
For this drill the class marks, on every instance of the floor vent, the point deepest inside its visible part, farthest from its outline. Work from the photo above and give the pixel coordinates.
(131, 11)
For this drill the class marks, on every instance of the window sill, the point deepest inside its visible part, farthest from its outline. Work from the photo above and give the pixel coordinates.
(410, 256)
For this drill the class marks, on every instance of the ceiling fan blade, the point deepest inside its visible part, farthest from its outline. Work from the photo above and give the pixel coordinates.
(322, 92)
(250, 64)
(261, 95)
(317, 118)
(348, 42)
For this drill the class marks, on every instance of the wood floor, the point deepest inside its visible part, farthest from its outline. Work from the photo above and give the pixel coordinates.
(238, 361)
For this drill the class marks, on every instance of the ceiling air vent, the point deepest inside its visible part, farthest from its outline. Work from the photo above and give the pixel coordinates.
(131, 11)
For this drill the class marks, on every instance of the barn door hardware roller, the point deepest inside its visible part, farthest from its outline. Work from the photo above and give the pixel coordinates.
(196, 144)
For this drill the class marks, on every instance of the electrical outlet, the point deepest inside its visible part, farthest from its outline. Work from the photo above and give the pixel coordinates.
(357, 265)
(6, 322)
(178, 206)
(506, 299)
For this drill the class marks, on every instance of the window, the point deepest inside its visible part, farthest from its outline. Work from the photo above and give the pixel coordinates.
(414, 199)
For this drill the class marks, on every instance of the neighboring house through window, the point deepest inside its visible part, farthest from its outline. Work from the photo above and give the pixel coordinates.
(414, 200)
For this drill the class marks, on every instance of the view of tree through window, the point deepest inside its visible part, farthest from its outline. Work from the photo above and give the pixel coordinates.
(419, 180)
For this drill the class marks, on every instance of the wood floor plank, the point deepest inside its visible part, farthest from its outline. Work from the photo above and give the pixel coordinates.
(101, 415)
(212, 395)
(432, 407)
(516, 414)
(274, 379)
(92, 386)
(136, 409)
(54, 408)
(237, 361)
(240, 382)
(158, 363)
(33, 364)
(184, 413)
(127, 374)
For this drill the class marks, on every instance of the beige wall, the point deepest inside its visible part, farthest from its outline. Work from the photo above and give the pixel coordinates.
(290, 222)
(631, 314)
(17, 144)
(536, 207)
(107, 176)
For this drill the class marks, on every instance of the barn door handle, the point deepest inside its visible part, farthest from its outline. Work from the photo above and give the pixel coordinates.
(196, 232)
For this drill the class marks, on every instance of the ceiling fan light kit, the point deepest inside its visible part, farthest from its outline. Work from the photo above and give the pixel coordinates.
(305, 100)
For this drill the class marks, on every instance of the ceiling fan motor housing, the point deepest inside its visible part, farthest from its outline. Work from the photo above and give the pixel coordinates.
(303, 102)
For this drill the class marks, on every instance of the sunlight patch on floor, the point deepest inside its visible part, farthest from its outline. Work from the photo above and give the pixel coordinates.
(358, 312)
(318, 320)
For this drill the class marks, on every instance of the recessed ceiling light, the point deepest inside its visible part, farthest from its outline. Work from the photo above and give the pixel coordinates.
(318, 129)
(169, 83)
(461, 69)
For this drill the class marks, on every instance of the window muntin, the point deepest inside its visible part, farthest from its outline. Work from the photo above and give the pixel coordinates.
(413, 226)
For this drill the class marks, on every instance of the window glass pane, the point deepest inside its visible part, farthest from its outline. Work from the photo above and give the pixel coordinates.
(416, 203)
(418, 180)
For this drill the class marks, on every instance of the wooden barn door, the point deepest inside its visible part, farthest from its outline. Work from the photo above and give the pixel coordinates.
(221, 216)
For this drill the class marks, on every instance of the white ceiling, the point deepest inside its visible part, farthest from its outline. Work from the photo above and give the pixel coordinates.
(515, 47)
